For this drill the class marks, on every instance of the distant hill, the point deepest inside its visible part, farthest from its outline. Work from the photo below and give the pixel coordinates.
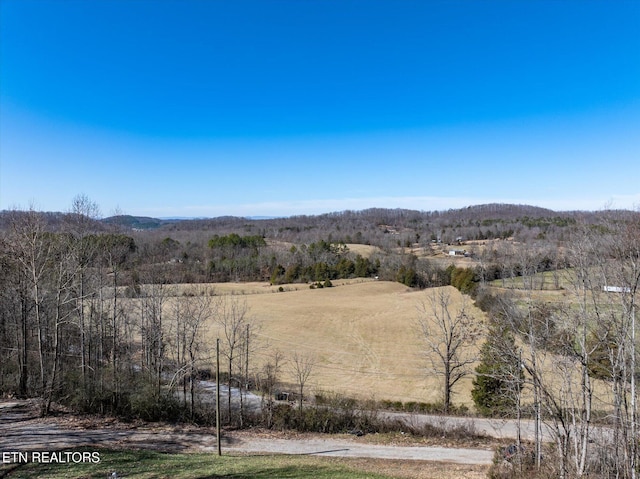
(507, 210)
(496, 216)
(53, 220)
(137, 222)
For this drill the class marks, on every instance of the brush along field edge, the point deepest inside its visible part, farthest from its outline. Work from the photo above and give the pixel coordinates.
(362, 334)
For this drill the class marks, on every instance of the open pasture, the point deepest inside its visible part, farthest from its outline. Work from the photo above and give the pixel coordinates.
(363, 335)
(542, 281)
(364, 250)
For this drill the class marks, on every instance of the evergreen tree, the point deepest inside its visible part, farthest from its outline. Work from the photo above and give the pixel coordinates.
(499, 377)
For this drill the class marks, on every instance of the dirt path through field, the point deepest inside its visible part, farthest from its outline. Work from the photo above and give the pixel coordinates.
(22, 430)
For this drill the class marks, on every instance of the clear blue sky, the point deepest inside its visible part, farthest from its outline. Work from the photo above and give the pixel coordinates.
(280, 107)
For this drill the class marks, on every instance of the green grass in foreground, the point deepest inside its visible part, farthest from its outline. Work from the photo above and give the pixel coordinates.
(156, 465)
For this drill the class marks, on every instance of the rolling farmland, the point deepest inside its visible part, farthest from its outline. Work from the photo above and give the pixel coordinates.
(362, 333)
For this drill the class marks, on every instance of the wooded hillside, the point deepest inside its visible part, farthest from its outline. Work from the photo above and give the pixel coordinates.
(92, 315)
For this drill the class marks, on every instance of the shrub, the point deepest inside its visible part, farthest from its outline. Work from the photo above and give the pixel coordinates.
(146, 404)
(464, 279)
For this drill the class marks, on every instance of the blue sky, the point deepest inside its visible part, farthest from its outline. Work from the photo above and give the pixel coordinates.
(279, 107)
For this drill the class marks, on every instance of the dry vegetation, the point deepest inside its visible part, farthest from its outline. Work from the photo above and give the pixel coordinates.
(91, 315)
(363, 250)
(362, 332)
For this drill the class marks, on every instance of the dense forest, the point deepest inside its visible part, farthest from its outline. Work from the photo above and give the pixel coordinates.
(76, 289)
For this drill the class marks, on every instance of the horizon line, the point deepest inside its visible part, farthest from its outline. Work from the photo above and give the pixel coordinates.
(606, 206)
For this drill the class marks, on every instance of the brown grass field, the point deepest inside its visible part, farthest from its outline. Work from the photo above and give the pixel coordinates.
(363, 250)
(362, 333)
(364, 336)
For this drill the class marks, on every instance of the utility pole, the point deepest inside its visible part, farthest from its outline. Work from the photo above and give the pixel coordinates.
(218, 396)
(519, 393)
(246, 365)
(634, 447)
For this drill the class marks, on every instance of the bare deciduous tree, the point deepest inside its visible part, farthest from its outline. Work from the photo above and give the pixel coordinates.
(191, 314)
(269, 382)
(235, 323)
(449, 334)
(32, 248)
(152, 306)
(302, 366)
(620, 268)
(82, 215)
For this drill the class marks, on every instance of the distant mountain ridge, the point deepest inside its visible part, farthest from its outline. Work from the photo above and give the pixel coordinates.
(138, 222)
(491, 212)
(504, 211)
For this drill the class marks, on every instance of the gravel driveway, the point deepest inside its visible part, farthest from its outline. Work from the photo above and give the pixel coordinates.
(22, 430)
(345, 448)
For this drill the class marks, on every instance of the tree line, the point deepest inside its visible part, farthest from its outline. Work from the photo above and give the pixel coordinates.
(567, 360)
(570, 365)
(92, 317)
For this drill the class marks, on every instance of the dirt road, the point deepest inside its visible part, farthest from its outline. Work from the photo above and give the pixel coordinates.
(22, 430)
(497, 428)
(351, 448)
